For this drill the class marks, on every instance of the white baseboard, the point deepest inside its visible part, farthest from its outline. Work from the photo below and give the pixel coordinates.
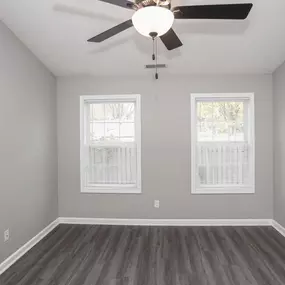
(278, 228)
(167, 222)
(26, 247)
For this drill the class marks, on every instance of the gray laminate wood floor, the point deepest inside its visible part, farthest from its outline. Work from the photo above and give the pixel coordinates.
(110, 255)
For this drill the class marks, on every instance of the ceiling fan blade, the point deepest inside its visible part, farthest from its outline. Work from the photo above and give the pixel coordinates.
(171, 40)
(111, 32)
(220, 11)
(121, 3)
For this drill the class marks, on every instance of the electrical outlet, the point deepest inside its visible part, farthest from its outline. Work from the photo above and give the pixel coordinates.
(6, 235)
(156, 203)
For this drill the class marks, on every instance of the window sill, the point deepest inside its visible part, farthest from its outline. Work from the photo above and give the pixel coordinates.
(224, 190)
(111, 191)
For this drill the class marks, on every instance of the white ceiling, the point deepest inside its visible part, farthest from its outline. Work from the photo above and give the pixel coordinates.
(56, 32)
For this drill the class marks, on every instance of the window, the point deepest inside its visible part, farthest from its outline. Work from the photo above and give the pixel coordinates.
(110, 144)
(222, 143)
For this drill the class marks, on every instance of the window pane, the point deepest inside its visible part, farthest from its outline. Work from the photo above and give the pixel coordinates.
(97, 132)
(113, 111)
(204, 121)
(128, 112)
(119, 112)
(228, 121)
(127, 129)
(220, 121)
(97, 112)
(112, 165)
(112, 130)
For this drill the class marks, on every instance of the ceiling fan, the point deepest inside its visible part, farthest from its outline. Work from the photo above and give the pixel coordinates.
(154, 18)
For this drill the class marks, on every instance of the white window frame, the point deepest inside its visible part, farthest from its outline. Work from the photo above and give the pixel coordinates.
(118, 189)
(246, 189)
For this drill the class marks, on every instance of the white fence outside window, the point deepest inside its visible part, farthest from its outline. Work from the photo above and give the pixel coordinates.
(223, 164)
(112, 165)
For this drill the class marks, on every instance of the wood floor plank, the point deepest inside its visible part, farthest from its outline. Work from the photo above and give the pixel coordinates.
(134, 255)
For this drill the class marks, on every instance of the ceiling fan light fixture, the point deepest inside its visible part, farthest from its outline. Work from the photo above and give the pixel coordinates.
(153, 19)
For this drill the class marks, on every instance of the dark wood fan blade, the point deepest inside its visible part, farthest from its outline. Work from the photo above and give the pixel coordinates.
(120, 3)
(111, 32)
(171, 40)
(222, 12)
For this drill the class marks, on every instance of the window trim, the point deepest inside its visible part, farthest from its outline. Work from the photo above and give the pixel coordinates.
(246, 189)
(122, 189)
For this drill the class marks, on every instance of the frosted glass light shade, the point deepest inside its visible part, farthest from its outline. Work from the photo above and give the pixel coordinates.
(153, 19)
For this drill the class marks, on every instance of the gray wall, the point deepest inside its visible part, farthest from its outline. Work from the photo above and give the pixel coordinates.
(28, 163)
(279, 144)
(165, 160)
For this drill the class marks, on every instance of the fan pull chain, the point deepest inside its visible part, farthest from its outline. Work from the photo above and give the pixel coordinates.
(156, 74)
(153, 55)
(154, 51)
